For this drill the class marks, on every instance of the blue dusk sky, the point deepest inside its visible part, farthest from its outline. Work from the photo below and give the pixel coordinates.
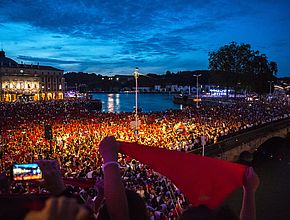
(113, 36)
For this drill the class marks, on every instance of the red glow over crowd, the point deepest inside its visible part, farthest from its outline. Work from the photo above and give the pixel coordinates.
(78, 132)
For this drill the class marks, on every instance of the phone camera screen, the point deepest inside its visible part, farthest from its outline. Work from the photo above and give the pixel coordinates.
(26, 172)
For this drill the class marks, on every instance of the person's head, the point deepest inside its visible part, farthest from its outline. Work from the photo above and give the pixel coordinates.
(246, 158)
(137, 208)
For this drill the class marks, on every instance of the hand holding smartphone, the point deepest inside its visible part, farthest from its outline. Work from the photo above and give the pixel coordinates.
(22, 172)
(48, 170)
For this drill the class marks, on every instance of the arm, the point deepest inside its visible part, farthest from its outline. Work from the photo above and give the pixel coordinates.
(251, 183)
(52, 176)
(114, 190)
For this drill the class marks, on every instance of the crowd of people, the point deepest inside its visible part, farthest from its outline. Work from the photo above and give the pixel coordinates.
(77, 133)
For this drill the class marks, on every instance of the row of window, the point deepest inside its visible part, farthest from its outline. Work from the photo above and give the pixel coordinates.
(49, 79)
(53, 87)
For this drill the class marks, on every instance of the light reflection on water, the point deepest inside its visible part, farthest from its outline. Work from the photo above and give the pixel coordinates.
(125, 102)
(117, 102)
(111, 103)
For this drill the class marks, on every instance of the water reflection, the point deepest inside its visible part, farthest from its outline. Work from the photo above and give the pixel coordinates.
(125, 102)
(117, 108)
(111, 103)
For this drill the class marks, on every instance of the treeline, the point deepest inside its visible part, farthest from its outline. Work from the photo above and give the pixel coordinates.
(97, 82)
(235, 66)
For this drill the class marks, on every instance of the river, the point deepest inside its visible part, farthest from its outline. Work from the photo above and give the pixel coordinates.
(125, 102)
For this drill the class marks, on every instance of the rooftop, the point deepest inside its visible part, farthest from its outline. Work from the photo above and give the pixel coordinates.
(8, 62)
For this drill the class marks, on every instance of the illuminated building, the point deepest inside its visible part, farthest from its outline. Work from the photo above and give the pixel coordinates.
(23, 82)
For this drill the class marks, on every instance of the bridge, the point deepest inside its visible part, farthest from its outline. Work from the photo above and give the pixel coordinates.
(249, 140)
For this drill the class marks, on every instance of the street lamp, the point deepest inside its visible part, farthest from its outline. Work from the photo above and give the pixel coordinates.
(136, 75)
(270, 84)
(197, 89)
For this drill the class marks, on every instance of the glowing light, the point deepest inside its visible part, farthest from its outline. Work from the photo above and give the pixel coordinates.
(111, 103)
(117, 103)
(218, 92)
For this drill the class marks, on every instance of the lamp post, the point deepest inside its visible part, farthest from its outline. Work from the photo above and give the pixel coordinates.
(270, 84)
(197, 89)
(136, 75)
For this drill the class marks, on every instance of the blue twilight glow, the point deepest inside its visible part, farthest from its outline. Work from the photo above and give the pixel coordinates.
(113, 36)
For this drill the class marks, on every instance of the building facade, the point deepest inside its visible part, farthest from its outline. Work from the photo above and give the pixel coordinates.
(22, 82)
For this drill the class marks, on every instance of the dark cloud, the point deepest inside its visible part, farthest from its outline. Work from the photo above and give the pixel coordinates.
(51, 47)
(195, 28)
(142, 30)
(47, 60)
(103, 19)
(56, 36)
(53, 61)
(153, 27)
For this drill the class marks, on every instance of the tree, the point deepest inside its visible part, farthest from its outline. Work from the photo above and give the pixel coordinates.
(243, 67)
(264, 72)
(273, 67)
(168, 73)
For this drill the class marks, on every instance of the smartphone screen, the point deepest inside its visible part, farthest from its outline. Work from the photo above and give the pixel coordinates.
(30, 171)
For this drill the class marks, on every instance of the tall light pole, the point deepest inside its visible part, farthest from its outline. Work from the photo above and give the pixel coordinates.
(270, 82)
(136, 75)
(197, 89)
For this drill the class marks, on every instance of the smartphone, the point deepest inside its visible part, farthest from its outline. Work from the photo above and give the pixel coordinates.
(30, 171)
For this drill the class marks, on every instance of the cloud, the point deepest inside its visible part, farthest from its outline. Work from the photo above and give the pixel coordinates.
(103, 19)
(53, 61)
(117, 34)
(56, 36)
(47, 60)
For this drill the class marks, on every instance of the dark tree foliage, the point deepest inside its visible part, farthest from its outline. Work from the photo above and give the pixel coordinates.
(93, 82)
(240, 65)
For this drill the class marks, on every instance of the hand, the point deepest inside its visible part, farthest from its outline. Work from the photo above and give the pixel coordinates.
(109, 148)
(52, 176)
(59, 209)
(94, 204)
(251, 180)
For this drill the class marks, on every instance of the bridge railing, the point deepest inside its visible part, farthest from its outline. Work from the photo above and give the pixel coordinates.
(233, 140)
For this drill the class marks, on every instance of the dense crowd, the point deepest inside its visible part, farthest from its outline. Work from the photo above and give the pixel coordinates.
(78, 131)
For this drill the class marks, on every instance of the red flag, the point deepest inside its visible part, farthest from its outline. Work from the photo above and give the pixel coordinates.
(203, 180)
(84, 183)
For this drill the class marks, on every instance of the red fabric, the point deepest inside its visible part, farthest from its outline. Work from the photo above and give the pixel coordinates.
(83, 183)
(203, 180)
